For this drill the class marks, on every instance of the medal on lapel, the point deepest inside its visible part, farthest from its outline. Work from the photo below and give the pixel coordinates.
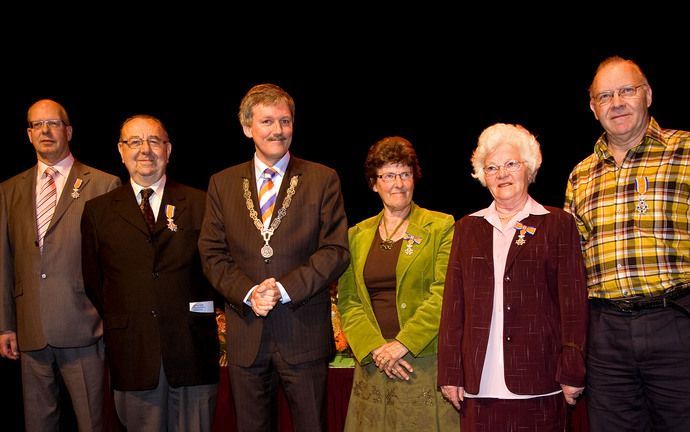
(75, 188)
(169, 214)
(411, 240)
(522, 230)
(641, 187)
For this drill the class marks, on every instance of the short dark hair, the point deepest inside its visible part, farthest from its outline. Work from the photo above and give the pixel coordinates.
(394, 149)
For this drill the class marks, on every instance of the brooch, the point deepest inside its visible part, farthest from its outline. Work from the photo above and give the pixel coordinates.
(411, 240)
(522, 230)
(169, 214)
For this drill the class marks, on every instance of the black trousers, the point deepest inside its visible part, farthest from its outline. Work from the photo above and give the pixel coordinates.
(638, 369)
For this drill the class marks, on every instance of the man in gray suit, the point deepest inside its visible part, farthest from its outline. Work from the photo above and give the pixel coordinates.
(44, 312)
(274, 271)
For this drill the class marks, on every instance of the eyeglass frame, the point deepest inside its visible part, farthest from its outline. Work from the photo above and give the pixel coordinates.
(127, 142)
(52, 124)
(391, 176)
(489, 172)
(610, 93)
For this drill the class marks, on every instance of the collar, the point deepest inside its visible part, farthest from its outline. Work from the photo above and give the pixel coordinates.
(532, 207)
(63, 167)
(157, 187)
(653, 136)
(280, 167)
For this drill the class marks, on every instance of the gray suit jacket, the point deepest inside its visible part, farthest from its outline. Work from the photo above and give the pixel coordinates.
(310, 251)
(42, 297)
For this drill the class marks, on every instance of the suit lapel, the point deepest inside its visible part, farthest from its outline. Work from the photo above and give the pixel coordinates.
(482, 237)
(249, 175)
(294, 168)
(515, 249)
(173, 196)
(78, 171)
(419, 232)
(125, 205)
(27, 201)
(362, 242)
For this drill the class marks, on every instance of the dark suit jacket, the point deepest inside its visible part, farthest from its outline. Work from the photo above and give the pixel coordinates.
(545, 304)
(42, 297)
(310, 251)
(142, 285)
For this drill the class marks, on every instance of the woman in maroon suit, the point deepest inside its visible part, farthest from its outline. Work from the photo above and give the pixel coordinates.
(514, 316)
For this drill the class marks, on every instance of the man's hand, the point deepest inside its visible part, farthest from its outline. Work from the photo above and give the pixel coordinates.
(265, 297)
(8, 345)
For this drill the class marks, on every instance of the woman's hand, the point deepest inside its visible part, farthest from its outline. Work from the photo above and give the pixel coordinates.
(454, 394)
(389, 359)
(571, 393)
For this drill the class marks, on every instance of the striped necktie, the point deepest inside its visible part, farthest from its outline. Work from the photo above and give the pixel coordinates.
(45, 204)
(267, 195)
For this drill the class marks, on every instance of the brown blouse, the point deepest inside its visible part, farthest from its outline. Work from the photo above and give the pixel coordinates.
(379, 277)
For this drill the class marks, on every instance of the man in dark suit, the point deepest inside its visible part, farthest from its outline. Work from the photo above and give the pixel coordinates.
(143, 274)
(274, 236)
(44, 312)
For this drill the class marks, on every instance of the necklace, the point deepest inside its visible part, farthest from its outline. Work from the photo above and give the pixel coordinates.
(507, 217)
(387, 244)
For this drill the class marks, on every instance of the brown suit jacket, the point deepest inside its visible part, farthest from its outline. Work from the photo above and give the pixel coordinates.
(310, 250)
(142, 284)
(42, 297)
(545, 303)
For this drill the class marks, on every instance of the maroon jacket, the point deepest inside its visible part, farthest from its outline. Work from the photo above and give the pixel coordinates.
(545, 301)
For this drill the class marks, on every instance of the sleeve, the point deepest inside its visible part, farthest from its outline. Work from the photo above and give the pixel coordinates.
(7, 308)
(450, 333)
(220, 268)
(422, 327)
(331, 256)
(572, 294)
(90, 261)
(360, 329)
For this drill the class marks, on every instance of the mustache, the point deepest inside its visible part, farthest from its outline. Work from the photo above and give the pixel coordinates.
(279, 137)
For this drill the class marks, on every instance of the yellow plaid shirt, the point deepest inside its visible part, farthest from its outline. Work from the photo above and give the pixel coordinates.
(633, 218)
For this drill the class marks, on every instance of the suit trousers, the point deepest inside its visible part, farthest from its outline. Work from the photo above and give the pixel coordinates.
(638, 369)
(166, 408)
(254, 389)
(81, 370)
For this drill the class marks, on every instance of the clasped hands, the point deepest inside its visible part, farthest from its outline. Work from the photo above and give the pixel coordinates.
(265, 297)
(389, 359)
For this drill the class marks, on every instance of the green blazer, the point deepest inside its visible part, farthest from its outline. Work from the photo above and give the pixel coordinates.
(420, 277)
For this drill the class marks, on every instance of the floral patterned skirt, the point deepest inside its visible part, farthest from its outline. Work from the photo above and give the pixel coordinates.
(378, 403)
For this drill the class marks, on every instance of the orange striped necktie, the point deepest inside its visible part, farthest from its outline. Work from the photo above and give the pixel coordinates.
(267, 195)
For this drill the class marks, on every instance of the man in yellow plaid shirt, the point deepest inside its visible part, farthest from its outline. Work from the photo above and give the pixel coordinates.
(631, 201)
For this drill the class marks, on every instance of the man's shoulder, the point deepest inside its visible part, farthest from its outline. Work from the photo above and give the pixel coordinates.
(18, 178)
(188, 192)
(95, 173)
(310, 166)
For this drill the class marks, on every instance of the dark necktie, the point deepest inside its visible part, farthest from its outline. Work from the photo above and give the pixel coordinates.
(146, 210)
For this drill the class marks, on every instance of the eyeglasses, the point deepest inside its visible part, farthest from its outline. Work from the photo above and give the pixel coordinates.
(626, 92)
(510, 166)
(390, 177)
(52, 124)
(136, 142)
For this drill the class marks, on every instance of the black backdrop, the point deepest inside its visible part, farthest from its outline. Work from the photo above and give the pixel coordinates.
(440, 94)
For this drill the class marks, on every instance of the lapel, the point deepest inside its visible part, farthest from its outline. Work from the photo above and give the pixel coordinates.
(294, 168)
(174, 196)
(27, 201)
(418, 228)
(515, 249)
(482, 237)
(78, 171)
(125, 205)
(361, 242)
(248, 174)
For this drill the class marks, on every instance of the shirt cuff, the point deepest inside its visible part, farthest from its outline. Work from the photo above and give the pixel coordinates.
(284, 297)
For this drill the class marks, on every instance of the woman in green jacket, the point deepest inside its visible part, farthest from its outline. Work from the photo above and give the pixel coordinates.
(390, 301)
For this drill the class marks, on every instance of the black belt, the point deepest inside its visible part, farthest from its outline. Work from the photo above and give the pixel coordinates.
(633, 304)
